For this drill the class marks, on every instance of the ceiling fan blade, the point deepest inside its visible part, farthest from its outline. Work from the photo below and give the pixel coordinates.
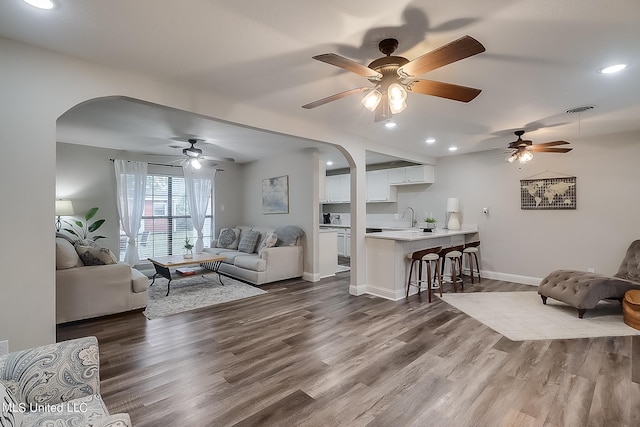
(349, 65)
(552, 143)
(461, 48)
(218, 159)
(443, 90)
(539, 149)
(335, 97)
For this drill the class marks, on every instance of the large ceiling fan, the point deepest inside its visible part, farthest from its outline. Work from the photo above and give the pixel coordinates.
(524, 149)
(394, 76)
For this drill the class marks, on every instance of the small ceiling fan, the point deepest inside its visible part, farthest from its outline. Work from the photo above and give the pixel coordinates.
(394, 76)
(194, 156)
(524, 149)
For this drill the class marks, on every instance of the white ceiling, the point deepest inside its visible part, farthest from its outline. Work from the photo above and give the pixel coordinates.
(541, 60)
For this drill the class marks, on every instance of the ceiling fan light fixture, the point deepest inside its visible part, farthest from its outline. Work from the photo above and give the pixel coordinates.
(372, 99)
(195, 163)
(612, 69)
(397, 94)
(41, 4)
(513, 157)
(525, 156)
(397, 107)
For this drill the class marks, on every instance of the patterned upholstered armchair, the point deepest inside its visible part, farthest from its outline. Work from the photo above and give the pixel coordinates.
(55, 385)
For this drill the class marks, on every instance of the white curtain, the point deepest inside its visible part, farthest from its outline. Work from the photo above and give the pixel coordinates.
(131, 180)
(198, 184)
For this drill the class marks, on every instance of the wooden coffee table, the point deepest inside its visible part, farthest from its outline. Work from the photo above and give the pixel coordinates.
(165, 263)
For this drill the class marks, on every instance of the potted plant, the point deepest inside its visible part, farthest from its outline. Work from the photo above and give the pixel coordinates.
(188, 248)
(429, 222)
(81, 230)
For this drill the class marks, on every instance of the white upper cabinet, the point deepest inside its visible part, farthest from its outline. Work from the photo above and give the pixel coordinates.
(378, 189)
(419, 174)
(338, 189)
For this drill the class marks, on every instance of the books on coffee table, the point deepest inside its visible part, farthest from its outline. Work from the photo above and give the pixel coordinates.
(187, 271)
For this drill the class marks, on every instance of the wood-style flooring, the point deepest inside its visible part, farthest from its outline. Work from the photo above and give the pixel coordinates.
(309, 354)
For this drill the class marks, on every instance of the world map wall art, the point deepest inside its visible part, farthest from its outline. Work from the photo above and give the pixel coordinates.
(548, 193)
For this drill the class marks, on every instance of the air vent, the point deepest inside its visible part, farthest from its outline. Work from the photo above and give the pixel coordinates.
(580, 109)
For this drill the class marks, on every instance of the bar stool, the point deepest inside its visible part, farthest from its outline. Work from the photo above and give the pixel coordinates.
(454, 255)
(428, 256)
(471, 249)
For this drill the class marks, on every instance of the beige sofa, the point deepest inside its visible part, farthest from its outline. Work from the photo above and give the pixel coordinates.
(86, 291)
(283, 261)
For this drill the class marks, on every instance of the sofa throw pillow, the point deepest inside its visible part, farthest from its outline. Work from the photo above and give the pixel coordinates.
(268, 242)
(249, 241)
(66, 255)
(11, 414)
(86, 242)
(229, 238)
(96, 256)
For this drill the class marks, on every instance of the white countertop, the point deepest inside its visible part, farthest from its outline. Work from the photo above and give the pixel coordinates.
(418, 234)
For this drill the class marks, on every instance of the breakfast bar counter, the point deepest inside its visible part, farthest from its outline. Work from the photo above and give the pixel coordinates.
(387, 264)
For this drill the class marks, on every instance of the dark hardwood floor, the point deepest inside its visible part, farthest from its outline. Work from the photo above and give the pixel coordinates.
(311, 354)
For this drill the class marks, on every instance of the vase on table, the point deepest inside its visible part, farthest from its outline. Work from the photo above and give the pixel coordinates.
(188, 254)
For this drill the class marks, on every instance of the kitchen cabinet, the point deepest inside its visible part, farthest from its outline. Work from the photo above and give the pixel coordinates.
(327, 248)
(419, 174)
(343, 242)
(378, 188)
(338, 188)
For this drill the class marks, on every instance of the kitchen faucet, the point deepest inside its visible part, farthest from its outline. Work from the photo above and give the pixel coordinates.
(414, 222)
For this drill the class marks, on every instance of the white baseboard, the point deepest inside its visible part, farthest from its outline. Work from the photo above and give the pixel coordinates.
(382, 292)
(357, 290)
(311, 277)
(515, 278)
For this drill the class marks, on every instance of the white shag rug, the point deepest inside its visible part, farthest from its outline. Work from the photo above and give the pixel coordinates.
(194, 292)
(521, 316)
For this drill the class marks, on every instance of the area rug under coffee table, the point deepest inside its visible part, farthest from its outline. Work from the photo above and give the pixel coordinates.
(195, 292)
(521, 316)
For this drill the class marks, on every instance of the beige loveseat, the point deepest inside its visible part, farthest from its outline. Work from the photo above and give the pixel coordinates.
(263, 265)
(86, 291)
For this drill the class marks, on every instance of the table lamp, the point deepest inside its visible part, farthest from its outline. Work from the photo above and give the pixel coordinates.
(453, 207)
(63, 207)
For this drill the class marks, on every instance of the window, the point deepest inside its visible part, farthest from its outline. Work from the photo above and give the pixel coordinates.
(166, 221)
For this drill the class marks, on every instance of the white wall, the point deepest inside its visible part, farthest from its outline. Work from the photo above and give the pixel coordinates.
(532, 243)
(299, 166)
(85, 175)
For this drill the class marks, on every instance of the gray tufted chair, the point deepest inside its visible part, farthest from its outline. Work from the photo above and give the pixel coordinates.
(583, 290)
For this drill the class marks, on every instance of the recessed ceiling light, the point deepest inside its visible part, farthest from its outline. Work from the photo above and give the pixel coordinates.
(430, 140)
(453, 148)
(41, 4)
(612, 69)
(329, 163)
(390, 125)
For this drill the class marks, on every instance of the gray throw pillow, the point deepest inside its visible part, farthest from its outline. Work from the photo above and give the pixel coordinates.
(228, 238)
(96, 256)
(249, 241)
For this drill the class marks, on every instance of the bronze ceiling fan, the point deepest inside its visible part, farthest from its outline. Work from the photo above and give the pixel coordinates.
(525, 149)
(394, 76)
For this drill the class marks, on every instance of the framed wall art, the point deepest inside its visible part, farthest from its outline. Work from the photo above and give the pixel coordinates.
(548, 193)
(275, 195)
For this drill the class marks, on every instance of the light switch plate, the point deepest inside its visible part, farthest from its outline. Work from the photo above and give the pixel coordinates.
(4, 347)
